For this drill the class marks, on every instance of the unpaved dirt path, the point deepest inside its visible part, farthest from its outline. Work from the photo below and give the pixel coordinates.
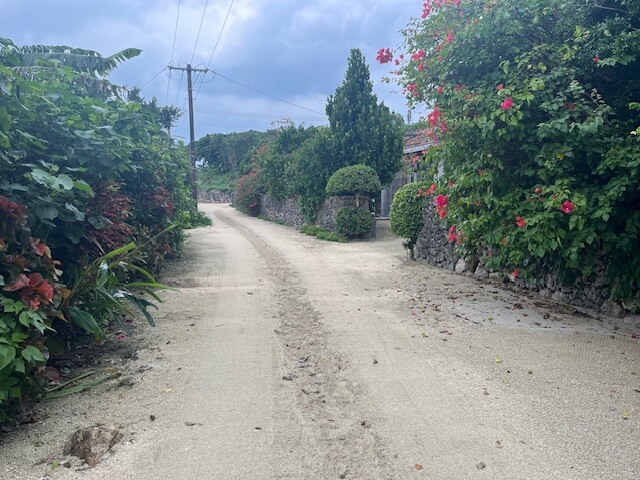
(279, 356)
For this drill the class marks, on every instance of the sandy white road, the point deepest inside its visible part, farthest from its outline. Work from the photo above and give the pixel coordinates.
(282, 357)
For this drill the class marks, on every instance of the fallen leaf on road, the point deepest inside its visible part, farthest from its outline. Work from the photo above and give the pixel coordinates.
(498, 360)
(418, 466)
(481, 466)
(424, 335)
(192, 424)
(626, 415)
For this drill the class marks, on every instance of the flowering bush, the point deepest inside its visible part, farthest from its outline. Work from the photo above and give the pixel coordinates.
(533, 118)
(249, 188)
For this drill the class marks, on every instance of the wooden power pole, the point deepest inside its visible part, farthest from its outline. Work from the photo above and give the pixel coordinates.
(192, 144)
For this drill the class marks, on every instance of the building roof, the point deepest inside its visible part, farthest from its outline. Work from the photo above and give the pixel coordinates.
(417, 141)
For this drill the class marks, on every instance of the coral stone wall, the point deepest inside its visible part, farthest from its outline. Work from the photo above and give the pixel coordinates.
(433, 246)
(216, 196)
(287, 211)
(283, 211)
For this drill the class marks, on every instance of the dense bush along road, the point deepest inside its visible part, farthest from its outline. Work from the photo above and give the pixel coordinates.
(279, 356)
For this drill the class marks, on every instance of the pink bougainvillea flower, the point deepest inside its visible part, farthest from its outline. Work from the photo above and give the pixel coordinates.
(500, 86)
(516, 273)
(567, 207)
(33, 289)
(450, 37)
(441, 205)
(454, 234)
(384, 55)
(596, 59)
(507, 104)
(440, 89)
(418, 55)
(520, 222)
(429, 191)
(420, 67)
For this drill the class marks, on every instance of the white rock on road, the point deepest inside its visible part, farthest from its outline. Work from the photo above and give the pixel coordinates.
(279, 356)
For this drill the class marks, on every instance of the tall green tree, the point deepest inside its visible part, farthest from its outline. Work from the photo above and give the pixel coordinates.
(228, 153)
(364, 131)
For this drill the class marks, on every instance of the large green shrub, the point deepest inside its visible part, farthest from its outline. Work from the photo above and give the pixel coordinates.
(532, 116)
(407, 213)
(90, 180)
(354, 180)
(353, 222)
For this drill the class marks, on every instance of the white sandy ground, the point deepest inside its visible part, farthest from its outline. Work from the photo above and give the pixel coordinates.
(279, 356)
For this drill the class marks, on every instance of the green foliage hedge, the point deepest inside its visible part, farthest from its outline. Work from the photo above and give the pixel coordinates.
(534, 119)
(353, 222)
(93, 197)
(406, 218)
(354, 180)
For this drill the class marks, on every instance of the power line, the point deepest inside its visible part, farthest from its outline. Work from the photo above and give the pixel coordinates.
(179, 87)
(267, 94)
(173, 49)
(253, 114)
(216, 45)
(204, 12)
(153, 78)
(175, 33)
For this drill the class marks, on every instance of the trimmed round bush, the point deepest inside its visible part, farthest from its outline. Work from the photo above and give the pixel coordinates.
(353, 222)
(407, 213)
(354, 180)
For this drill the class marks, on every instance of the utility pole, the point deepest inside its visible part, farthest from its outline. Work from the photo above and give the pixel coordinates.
(192, 145)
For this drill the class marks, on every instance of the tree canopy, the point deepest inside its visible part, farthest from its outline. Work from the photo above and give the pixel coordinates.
(363, 130)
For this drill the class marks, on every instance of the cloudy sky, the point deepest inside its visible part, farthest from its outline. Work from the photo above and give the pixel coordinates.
(268, 53)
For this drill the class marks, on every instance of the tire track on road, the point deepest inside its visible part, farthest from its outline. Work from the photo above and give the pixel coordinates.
(337, 441)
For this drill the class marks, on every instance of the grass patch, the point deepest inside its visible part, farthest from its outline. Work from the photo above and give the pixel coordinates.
(209, 179)
(322, 234)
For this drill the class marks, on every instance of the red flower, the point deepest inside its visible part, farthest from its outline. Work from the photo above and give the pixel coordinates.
(384, 55)
(440, 89)
(33, 289)
(596, 59)
(515, 273)
(441, 205)
(520, 222)
(450, 37)
(454, 234)
(500, 86)
(429, 191)
(418, 55)
(567, 207)
(507, 104)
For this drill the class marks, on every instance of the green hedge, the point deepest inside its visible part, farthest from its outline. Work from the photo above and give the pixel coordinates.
(354, 222)
(354, 180)
(407, 213)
